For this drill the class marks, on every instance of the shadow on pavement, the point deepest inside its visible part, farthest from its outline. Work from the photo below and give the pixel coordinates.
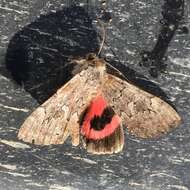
(38, 55)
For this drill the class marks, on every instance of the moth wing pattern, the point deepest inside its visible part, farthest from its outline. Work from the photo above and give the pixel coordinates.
(108, 145)
(58, 117)
(102, 128)
(144, 114)
(61, 116)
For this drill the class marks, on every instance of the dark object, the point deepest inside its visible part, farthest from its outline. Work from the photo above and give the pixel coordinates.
(38, 56)
(105, 17)
(99, 122)
(172, 12)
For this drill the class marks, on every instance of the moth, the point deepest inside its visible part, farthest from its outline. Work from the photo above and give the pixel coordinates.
(95, 106)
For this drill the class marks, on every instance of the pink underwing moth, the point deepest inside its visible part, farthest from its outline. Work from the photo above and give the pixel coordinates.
(95, 106)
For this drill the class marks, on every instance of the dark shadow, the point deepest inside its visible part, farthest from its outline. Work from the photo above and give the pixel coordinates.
(172, 13)
(38, 55)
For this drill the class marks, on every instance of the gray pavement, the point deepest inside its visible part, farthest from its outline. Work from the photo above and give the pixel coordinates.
(37, 38)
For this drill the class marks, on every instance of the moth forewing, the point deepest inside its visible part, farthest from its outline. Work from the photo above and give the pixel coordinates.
(144, 114)
(58, 117)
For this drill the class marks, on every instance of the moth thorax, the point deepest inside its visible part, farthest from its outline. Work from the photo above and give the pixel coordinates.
(100, 68)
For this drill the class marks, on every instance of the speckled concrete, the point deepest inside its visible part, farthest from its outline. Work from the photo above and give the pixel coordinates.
(36, 40)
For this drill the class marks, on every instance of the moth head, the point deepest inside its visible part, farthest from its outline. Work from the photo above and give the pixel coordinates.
(96, 62)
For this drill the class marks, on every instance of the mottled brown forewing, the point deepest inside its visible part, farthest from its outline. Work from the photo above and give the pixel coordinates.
(144, 114)
(58, 117)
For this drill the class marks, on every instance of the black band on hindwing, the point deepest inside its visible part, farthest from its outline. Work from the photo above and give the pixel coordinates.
(99, 122)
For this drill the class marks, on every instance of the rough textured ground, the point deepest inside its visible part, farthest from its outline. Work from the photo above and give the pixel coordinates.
(36, 39)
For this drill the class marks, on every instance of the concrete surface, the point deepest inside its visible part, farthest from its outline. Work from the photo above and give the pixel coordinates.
(36, 40)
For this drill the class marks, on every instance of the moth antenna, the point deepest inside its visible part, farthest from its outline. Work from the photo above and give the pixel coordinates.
(103, 36)
(103, 20)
